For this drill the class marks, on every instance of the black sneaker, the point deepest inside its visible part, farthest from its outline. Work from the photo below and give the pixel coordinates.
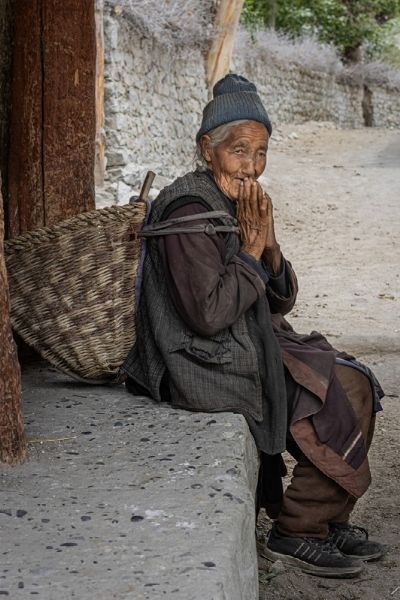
(311, 555)
(353, 542)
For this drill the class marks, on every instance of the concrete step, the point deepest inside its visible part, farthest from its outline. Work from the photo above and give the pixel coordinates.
(126, 498)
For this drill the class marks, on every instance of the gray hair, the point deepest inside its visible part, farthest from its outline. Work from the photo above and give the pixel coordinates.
(217, 136)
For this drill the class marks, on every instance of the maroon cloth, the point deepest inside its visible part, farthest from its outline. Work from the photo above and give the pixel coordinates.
(208, 294)
(311, 360)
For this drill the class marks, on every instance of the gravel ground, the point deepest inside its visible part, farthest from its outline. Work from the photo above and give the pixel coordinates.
(337, 213)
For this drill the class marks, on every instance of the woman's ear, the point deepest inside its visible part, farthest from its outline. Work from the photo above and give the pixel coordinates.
(205, 148)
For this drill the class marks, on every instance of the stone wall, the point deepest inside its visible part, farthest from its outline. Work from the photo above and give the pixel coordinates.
(292, 94)
(154, 96)
(386, 107)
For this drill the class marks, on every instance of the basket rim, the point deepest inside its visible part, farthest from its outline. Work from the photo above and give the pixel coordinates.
(101, 217)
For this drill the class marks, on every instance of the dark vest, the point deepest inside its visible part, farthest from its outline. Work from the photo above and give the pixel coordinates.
(217, 373)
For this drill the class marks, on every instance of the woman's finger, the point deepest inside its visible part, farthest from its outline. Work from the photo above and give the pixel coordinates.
(240, 200)
(262, 202)
(246, 194)
(270, 207)
(253, 200)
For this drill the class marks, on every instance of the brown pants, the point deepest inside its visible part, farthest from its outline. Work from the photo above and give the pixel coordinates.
(312, 500)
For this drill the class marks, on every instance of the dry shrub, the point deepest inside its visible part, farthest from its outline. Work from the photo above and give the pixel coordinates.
(178, 24)
(306, 52)
(311, 55)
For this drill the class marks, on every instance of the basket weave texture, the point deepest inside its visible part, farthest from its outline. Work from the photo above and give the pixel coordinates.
(72, 289)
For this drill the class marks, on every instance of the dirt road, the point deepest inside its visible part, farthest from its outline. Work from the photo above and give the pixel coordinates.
(336, 195)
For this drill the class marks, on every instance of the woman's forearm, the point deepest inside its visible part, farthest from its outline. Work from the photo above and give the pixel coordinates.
(208, 294)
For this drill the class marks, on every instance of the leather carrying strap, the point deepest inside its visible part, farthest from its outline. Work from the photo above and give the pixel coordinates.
(168, 227)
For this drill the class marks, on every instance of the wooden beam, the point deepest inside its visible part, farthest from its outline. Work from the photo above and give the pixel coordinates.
(25, 169)
(220, 53)
(69, 120)
(12, 439)
(99, 165)
(52, 121)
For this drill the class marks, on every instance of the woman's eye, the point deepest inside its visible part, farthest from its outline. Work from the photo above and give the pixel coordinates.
(238, 150)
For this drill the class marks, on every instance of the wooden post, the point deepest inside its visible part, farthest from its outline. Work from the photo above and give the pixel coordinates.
(220, 53)
(100, 134)
(52, 122)
(25, 170)
(12, 439)
(69, 120)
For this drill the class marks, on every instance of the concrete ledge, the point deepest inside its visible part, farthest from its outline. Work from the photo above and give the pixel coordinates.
(126, 498)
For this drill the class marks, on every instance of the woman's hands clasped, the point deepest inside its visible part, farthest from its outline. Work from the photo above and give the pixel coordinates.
(256, 224)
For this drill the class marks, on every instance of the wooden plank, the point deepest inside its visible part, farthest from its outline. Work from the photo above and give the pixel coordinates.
(52, 121)
(99, 165)
(25, 177)
(69, 120)
(6, 47)
(12, 439)
(220, 53)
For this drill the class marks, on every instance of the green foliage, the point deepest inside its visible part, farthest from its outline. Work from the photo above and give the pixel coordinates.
(387, 46)
(347, 24)
(254, 14)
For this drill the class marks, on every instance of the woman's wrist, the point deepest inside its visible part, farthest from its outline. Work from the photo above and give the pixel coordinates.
(252, 251)
(273, 257)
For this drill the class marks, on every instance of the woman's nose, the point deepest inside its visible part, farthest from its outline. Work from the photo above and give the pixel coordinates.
(249, 166)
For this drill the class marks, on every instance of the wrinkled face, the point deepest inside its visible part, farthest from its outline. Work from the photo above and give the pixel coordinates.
(242, 155)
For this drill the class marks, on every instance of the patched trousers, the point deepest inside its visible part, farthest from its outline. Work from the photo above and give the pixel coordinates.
(312, 500)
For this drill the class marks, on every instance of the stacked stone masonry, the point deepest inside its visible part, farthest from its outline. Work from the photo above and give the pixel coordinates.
(295, 95)
(153, 101)
(386, 107)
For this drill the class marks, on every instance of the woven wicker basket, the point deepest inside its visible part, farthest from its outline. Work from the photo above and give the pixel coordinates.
(72, 290)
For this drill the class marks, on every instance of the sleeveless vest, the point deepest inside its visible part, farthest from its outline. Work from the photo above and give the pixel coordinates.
(210, 374)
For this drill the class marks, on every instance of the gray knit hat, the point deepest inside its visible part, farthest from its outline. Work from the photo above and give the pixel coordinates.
(235, 98)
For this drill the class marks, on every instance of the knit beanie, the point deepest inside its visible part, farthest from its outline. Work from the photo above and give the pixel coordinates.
(235, 99)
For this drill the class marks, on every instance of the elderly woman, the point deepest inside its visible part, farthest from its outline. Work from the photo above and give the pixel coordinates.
(211, 336)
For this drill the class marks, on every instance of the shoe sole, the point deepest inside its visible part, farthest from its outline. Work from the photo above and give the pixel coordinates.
(333, 572)
(368, 557)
